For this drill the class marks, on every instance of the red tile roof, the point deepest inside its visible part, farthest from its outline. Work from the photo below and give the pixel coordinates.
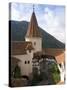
(19, 47)
(59, 54)
(53, 51)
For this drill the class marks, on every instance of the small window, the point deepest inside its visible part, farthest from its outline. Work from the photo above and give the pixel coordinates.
(29, 51)
(34, 43)
(28, 62)
(25, 62)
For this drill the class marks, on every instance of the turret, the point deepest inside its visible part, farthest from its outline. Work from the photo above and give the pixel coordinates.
(33, 34)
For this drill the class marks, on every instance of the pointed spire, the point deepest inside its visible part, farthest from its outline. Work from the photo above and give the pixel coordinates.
(33, 27)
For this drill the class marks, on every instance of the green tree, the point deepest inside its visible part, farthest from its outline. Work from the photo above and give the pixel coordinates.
(54, 73)
(17, 72)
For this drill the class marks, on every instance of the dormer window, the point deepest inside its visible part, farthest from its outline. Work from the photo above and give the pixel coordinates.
(29, 51)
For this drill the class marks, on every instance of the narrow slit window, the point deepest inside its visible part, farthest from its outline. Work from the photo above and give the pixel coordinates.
(25, 62)
(28, 62)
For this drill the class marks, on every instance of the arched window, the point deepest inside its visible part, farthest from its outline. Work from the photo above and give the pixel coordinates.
(28, 62)
(25, 62)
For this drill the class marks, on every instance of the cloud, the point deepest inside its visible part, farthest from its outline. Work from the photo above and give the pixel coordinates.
(50, 18)
(54, 24)
(20, 12)
(15, 14)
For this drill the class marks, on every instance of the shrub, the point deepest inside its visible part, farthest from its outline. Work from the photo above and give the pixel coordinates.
(55, 73)
(17, 72)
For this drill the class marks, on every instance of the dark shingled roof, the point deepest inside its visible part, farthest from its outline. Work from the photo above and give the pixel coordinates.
(33, 27)
(19, 47)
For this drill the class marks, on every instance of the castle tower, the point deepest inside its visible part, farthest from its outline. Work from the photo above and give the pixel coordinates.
(33, 35)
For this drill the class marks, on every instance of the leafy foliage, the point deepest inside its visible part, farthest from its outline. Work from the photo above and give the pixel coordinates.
(17, 72)
(54, 72)
(49, 72)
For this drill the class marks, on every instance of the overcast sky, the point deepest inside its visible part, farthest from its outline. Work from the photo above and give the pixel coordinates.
(51, 18)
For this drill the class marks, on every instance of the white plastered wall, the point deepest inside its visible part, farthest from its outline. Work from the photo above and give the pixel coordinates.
(26, 69)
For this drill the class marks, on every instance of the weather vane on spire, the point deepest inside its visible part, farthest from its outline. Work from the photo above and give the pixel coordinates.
(33, 7)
